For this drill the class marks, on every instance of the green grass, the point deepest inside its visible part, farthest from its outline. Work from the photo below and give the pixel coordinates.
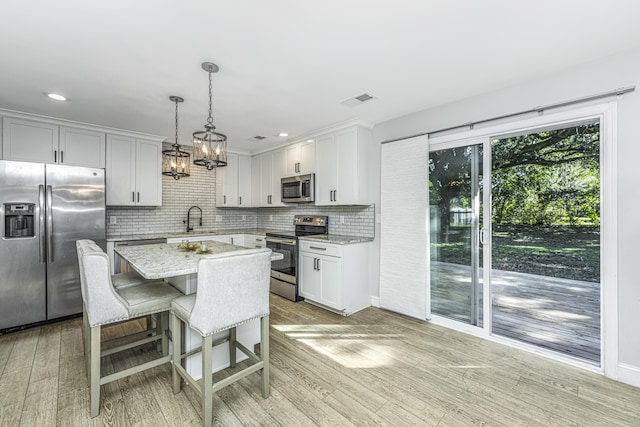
(569, 252)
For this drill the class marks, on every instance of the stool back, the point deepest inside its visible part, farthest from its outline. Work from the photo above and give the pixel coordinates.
(84, 246)
(232, 289)
(102, 303)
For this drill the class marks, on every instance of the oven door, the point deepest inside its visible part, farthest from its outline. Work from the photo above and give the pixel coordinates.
(284, 271)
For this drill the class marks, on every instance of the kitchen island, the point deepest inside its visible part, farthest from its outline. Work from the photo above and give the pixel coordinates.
(179, 267)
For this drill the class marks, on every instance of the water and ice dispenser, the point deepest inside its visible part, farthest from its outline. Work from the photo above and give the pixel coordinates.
(19, 220)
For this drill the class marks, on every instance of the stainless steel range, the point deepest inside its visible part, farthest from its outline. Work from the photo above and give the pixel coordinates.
(284, 273)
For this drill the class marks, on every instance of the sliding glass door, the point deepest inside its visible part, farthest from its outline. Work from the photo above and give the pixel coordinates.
(545, 242)
(515, 236)
(455, 201)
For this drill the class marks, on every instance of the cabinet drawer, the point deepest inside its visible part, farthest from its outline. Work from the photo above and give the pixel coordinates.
(320, 248)
(255, 241)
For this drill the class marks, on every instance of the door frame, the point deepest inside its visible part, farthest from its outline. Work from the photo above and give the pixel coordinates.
(606, 113)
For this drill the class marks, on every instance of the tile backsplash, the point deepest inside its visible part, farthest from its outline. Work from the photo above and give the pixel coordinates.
(199, 190)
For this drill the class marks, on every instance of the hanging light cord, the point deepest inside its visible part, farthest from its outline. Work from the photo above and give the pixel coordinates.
(210, 118)
(176, 141)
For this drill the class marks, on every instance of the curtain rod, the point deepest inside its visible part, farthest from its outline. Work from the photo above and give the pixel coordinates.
(616, 92)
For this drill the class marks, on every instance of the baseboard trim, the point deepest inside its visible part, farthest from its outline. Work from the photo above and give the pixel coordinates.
(375, 301)
(629, 374)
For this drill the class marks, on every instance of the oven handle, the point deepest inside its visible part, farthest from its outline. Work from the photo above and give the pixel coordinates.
(279, 240)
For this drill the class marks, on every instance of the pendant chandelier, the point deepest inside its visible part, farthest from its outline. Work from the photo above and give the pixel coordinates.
(209, 146)
(175, 162)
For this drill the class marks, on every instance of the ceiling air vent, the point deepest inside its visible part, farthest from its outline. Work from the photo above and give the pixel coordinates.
(358, 100)
(258, 138)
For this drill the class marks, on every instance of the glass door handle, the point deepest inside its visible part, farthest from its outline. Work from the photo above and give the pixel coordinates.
(483, 236)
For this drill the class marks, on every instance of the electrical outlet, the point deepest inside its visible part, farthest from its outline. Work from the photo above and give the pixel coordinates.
(113, 220)
(244, 217)
(218, 217)
(270, 217)
(341, 219)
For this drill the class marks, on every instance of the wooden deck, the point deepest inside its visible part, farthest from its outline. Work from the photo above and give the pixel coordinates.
(557, 314)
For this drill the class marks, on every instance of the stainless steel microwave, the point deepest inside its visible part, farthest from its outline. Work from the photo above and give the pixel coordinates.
(298, 189)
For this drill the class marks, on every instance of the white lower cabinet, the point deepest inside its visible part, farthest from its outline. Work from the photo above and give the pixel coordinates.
(237, 239)
(335, 276)
(255, 241)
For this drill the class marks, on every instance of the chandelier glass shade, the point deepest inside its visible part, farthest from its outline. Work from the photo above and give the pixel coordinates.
(209, 146)
(176, 162)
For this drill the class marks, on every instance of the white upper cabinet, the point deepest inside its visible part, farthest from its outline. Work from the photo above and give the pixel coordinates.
(271, 172)
(227, 183)
(29, 141)
(33, 141)
(342, 166)
(133, 171)
(245, 181)
(80, 147)
(256, 177)
(300, 158)
(233, 182)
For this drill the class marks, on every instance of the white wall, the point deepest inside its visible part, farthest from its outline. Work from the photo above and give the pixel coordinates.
(597, 77)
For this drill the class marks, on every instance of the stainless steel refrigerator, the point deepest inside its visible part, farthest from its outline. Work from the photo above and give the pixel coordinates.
(44, 209)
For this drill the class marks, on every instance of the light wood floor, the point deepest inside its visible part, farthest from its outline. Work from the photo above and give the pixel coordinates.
(556, 314)
(374, 367)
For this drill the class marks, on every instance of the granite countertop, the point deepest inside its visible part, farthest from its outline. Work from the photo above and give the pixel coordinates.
(129, 237)
(164, 260)
(337, 239)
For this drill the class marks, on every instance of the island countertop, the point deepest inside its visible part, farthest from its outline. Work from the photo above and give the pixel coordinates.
(162, 260)
(191, 234)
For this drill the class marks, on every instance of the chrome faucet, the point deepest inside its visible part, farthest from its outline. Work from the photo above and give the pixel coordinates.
(188, 220)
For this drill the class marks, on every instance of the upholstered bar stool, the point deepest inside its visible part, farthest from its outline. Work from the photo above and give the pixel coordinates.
(233, 288)
(106, 305)
(121, 280)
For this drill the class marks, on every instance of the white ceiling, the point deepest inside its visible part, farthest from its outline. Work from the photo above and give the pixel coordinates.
(285, 65)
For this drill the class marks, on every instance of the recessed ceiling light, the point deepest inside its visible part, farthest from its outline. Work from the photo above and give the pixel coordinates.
(283, 134)
(56, 97)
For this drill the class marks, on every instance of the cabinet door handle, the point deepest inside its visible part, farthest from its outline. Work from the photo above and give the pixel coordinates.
(269, 199)
(317, 248)
(55, 156)
(335, 195)
(318, 263)
(224, 200)
(258, 240)
(133, 196)
(315, 263)
(61, 156)
(240, 200)
(138, 197)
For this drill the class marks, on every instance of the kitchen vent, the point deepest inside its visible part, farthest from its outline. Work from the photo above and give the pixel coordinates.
(358, 100)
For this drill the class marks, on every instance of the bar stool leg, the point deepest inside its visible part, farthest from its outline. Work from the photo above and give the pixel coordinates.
(94, 355)
(164, 325)
(87, 345)
(232, 347)
(264, 354)
(207, 381)
(176, 336)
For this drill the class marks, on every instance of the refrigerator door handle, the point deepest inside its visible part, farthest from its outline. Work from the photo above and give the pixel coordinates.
(41, 228)
(49, 228)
